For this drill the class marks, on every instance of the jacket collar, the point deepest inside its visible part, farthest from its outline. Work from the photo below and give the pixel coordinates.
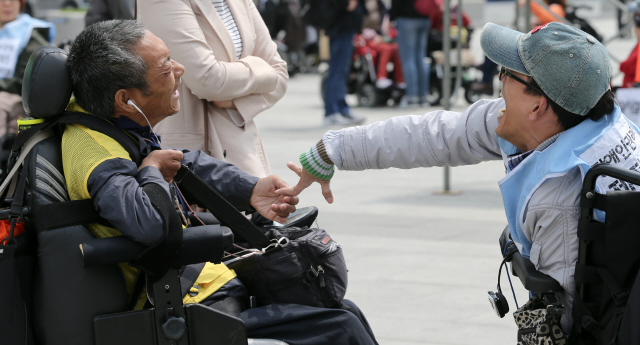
(238, 11)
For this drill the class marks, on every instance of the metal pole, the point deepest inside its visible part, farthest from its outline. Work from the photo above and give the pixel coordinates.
(516, 21)
(458, 83)
(527, 16)
(446, 44)
(446, 82)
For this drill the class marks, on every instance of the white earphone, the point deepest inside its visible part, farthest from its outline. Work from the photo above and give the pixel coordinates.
(130, 102)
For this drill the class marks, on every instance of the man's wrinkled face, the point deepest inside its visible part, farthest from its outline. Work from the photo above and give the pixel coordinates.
(163, 76)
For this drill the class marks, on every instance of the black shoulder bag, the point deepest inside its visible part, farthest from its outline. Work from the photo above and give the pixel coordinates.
(294, 265)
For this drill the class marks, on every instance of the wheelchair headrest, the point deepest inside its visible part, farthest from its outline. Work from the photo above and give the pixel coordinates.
(46, 87)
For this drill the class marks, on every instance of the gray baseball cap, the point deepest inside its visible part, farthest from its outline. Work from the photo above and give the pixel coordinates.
(569, 65)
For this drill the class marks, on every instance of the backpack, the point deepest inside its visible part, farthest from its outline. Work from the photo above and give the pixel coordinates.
(321, 14)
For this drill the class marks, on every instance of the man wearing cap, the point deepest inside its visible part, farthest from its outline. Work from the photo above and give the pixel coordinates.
(557, 117)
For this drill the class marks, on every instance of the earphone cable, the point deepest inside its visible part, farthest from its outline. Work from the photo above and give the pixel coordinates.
(504, 262)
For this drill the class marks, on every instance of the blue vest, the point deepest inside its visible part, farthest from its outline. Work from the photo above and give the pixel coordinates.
(612, 139)
(14, 37)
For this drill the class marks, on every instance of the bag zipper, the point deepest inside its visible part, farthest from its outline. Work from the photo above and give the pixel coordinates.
(321, 276)
(319, 273)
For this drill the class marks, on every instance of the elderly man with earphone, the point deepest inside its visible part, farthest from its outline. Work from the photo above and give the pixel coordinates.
(124, 74)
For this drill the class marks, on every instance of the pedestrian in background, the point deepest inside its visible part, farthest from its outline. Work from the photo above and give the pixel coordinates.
(413, 24)
(346, 22)
(232, 73)
(20, 36)
(629, 67)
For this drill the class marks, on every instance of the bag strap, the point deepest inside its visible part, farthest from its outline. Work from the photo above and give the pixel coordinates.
(138, 289)
(107, 128)
(205, 106)
(228, 215)
(15, 211)
(29, 144)
(188, 276)
(67, 213)
(33, 135)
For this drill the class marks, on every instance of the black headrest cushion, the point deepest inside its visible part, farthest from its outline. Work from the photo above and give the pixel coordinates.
(46, 86)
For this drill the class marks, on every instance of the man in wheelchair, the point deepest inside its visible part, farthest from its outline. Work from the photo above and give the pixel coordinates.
(122, 73)
(556, 119)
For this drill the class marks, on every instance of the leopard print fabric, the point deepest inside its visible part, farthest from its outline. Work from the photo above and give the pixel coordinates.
(538, 324)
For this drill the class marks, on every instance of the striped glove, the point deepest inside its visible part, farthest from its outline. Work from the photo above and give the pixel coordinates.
(317, 162)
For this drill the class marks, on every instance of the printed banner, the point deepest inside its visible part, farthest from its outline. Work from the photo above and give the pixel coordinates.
(8, 56)
(619, 147)
(629, 101)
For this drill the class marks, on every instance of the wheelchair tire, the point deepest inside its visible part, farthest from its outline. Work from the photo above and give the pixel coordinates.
(435, 94)
(368, 95)
(323, 83)
(470, 96)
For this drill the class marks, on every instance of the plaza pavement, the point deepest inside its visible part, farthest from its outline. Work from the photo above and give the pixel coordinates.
(420, 263)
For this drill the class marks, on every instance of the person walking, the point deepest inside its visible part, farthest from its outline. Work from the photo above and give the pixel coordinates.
(345, 24)
(413, 33)
(20, 36)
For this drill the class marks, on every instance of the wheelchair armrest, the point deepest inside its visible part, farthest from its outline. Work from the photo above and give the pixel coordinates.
(199, 244)
(206, 217)
(532, 279)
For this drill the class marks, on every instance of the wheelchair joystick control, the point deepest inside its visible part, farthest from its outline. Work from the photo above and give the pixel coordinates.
(174, 328)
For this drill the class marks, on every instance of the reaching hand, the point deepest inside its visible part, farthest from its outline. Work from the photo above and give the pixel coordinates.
(306, 179)
(272, 205)
(167, 161)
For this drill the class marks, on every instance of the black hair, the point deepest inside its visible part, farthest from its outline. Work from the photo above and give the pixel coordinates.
(568, 119)
(102, 60)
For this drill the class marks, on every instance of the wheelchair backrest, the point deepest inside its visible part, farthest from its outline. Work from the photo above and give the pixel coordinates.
(67, 296)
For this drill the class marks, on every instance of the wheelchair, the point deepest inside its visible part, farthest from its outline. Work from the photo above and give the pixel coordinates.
(72, 288)
(606, 306)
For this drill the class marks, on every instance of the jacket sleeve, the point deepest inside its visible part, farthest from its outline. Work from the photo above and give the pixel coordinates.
(551, 225)
(14, 84)
(251, 105)
(175, 22)
(434, 139)
(115, 187)
(233, 184)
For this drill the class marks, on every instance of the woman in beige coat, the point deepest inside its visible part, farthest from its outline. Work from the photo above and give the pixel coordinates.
(224, 85)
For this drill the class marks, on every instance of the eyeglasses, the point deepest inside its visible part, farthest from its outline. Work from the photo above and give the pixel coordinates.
(505, 73)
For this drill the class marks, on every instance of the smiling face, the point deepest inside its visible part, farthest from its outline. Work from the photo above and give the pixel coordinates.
(513, 122)
(9, 10)
(164, 77)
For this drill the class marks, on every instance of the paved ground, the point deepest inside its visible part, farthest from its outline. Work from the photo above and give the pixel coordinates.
(420, 263)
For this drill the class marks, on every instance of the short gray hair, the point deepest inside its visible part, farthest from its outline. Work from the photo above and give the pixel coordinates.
(102, 60)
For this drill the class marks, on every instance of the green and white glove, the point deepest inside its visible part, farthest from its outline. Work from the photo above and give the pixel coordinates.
(317, 162)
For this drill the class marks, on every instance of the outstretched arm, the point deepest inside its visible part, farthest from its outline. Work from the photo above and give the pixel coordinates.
(435, 139)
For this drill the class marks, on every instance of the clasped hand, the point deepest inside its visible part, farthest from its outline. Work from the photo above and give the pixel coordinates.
(306, 179)
(272, 205)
